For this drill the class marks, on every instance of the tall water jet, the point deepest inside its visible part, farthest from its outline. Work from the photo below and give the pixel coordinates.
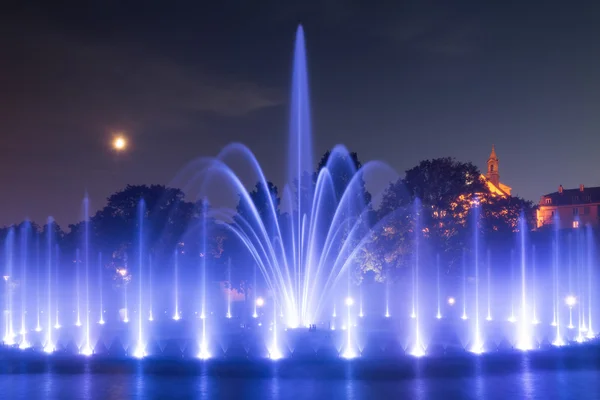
(150, 291)
(438, 292)
(77, 286)
(49, 345)
(413, 313)
(349, 351)
(229, 289)
(360, 302)
(512, 318)
(56, 310)
(140, 350)
(9, 333)
(38, 275)
(524, 341)
(176, 316)
(558, 341)
(300, 162)
(590, 277)
(101, 289)
(464, 286)
(57, 286)
(87, 346)
(489, 286)
(254, 313)
(204, 354)
(418, 349)
(534, 320)
(25, 232)
(477, 343)
(581, 286)
(274, 352)
(387, 296)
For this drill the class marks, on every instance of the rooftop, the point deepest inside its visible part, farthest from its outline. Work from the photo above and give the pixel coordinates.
(581, 195)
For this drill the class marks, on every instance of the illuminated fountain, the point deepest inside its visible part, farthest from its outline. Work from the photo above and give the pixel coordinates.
(299, 272)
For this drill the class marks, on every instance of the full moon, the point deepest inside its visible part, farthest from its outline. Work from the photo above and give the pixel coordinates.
(119, 143)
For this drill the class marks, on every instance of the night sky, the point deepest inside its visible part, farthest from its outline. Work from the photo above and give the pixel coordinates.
(396, 82)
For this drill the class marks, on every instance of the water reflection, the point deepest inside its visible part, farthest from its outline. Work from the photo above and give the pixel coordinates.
(523, 379)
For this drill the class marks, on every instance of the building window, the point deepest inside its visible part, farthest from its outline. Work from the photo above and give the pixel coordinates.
(492, 168)
(587, 198)
(548, 201)
(575, 224)
(586, 211)
(552, 214)
(575, 211)
(575, 198)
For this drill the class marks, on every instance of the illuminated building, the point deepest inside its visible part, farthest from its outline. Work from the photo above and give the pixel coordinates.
(492, 178)
(574, 208)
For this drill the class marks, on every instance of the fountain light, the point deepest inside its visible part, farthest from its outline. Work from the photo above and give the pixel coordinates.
(101, 322)
(348, 353)
(387, 314)
(512, 319)
(176, 317)
(488, 318)
(413, 315)
(78, 324)
(464, 317)
(417, 351)
(38, 328)
(477, 347)
(86, 351)
(48, 348)
(571, 300)
(122, 271)
(590, 334)
(275, 354)
(438, 316)
(451, 301)
(349, 301)
(24, 345)
(260, 302)
(360, 314)
(9, 340)
(139, 352)
(58, 326)
(203, 355)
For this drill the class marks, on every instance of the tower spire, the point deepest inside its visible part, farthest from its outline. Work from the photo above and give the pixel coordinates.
(493, 153)
(493, 174)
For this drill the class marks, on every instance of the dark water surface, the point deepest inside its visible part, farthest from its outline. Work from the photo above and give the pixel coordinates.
(544, 375)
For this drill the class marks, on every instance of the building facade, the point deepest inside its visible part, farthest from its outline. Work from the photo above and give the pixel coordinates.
(570, 208)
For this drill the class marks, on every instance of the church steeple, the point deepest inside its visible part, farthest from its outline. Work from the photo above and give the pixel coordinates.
(492, 168)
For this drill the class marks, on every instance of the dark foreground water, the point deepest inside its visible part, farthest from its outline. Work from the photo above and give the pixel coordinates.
(557, 374)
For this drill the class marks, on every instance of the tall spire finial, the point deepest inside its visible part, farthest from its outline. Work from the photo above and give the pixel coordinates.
(493, 153)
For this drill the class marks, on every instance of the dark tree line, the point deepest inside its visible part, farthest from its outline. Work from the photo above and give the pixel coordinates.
(434, 202)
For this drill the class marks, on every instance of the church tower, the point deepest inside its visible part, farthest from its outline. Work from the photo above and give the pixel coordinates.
(492, 168)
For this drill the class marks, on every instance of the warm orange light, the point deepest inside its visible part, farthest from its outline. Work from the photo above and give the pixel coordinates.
(119, 143)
